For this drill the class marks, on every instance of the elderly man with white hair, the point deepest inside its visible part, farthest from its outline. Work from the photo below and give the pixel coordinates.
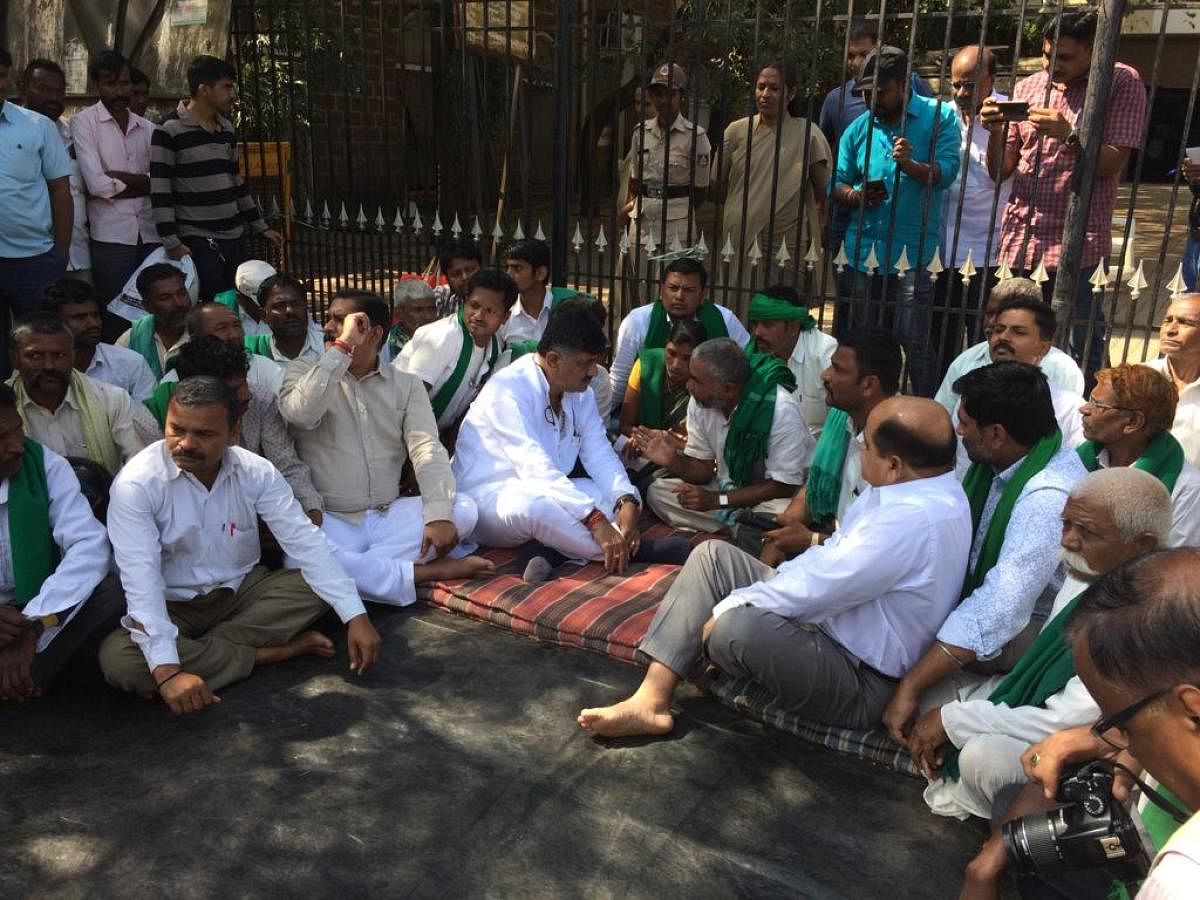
(413, 305)
(970, 739)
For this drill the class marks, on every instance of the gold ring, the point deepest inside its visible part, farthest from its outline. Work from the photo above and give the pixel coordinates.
(1033, 761)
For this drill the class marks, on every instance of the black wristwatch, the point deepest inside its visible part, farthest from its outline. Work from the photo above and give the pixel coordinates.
(1072, 141)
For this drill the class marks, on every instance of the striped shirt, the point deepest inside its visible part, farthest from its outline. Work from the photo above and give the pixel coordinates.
(195, 188)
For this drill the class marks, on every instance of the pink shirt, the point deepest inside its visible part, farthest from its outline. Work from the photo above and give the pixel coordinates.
(101, 146)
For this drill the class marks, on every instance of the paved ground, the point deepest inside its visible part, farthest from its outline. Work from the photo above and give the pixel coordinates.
(453, 770)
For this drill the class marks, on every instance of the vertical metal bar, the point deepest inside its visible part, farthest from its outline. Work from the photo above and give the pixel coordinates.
(562, 124)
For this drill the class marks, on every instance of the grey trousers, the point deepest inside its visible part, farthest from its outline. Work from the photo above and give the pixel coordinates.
(806, 671)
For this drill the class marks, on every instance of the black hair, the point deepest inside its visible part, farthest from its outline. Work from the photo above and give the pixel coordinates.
(196, 313)
(878, 353)
(209, 355)
(865, 29)
(68, 290)
(205, 390)
(137, 76)
(1043, 314)
(208, 70)
(532, 251)
(895, 437)
(787, 72)
(687, 266)
(494, 280)
(458, 248)
(280, 280)
(156, 273)
(37, 323)
(784, 292)
(1013, 395)
(589, 304)
(573, 330)
(1079, 24)
(107, 62)
(48, 65)
(690, 332)
(366, 302)
(1141, 621)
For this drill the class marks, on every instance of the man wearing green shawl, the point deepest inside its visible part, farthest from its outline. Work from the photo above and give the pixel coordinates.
(1134, 639)
(159, 334)
(1018, 483)
(970, 740)
(55, 592)
(747, 444)
(681, 295)
(1127, 422)
(292, 334)
(413, 306)
(783, 327)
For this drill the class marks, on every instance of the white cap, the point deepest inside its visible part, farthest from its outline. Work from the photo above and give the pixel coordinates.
(250, 276)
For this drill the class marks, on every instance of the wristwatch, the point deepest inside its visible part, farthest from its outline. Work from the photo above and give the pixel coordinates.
(722, 500)
(1072, 141)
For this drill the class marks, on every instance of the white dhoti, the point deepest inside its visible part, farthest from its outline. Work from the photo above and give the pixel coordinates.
(663, 500)
(514, 511)
(380, 550)
(986, 764)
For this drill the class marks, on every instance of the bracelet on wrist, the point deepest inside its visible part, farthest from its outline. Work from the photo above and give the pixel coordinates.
(343, 346)
(160, 684)
(594, 518)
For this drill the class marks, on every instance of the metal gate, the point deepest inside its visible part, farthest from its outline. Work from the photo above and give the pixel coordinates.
(374, 130)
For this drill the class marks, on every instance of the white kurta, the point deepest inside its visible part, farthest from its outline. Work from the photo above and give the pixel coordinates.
(810, 357)
(432, 355)
(1185, 504)
(1187, 414)
(789, 448)
(1061, 371)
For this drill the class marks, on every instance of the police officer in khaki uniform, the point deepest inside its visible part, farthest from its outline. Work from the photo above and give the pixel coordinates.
(684, 148)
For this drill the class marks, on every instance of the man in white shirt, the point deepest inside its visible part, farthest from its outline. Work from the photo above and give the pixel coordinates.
(1111, 517)
(747, 444)
(969, 228)
(1179, 341)
(454, 356)
(356, 422)
(521, 439)
(76, 304)
(55, 593)
(827, 634)
(783, 327)
(1062, 371)
(681, 295)
(527, 262)
(64, 409)
(1127, 422)
(291, 332)
(218, 320)
(864, 371)
(202, 612)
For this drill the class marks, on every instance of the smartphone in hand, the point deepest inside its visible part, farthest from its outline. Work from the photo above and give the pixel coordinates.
(1014, 110)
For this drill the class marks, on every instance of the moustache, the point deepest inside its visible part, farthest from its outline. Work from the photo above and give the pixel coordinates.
(1003, 345)
(188, 455)
(1076, 562)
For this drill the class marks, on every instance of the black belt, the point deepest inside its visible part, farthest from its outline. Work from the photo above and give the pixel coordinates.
(668, 193)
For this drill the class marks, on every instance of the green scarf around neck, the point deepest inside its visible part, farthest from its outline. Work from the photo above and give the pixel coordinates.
(34, 553)
(258, 345)
(823, 490)
(441, 399)
(772, 309)
(659, 328)
(1163, 458)
(141, 340)
(1042, 671)
(158, 402)
(749, 436)
(978, 484)
(652, 370)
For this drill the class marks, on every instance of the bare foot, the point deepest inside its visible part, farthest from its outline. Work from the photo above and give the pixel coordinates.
(627, 718)
(448, 569)
(307, 642)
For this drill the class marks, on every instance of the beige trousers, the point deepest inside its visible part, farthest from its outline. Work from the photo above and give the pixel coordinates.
(665, 504)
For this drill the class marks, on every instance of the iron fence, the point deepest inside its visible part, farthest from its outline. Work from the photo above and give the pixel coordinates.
(373, 130)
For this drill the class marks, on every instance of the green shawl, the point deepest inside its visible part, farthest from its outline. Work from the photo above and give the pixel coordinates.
(652, 363)
(749, 434)
(228, 299)
(34, 553)
(158, 402)
(978, 484)
(772, 309)
(823, 489)
(258, 345)
(1042, 671)
(517, 349)
(442, 397)
(659, 329)
(141, 340)
(1163, 458)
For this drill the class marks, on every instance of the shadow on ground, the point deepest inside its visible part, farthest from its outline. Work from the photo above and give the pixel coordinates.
(454, 769)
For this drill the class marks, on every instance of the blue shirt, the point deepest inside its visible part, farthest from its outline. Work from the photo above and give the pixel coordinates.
(31, 153)
(918, 227)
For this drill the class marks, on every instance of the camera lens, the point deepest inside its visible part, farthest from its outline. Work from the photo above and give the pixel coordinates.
(1032, 842)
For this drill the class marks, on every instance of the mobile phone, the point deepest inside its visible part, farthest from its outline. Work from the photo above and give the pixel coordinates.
(880, 186)
(1014, 110)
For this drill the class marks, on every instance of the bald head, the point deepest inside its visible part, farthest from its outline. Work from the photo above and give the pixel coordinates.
(915, 433)
(972, 77)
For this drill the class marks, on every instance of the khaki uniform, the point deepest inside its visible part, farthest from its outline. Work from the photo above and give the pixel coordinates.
(680, 145)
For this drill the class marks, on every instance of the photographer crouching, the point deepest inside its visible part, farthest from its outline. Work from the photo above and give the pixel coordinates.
(1135, 636)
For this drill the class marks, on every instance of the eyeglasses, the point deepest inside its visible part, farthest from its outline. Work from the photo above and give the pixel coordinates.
(1112, 730)
(963, 85)
(1093, 402)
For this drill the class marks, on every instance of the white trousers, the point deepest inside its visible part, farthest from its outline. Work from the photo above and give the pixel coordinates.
(986, 764)
(379, 551)
(515, 511)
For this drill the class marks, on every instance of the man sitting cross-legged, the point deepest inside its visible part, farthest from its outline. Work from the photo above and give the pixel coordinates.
(864, 371)
(55, 591)
(827, 634)
(356, 421)
(454, 356)
(521, 439)
(202, 612)
(66, 410)
(747, 444)
(970, 739)
(1127, 422)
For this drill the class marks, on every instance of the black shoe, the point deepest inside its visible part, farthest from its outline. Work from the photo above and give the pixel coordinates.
(672, 551)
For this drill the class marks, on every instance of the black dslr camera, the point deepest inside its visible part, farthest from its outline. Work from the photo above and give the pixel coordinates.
(1092, 830)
